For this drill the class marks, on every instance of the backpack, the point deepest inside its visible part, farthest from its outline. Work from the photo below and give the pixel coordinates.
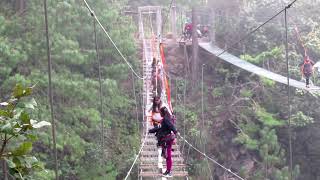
(307, 67)
(173, 119)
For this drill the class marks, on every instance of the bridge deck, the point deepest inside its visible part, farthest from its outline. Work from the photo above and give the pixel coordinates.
(253, 68)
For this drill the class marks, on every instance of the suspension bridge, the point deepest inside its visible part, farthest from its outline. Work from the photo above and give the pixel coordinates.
(216, 51)
(151, 163)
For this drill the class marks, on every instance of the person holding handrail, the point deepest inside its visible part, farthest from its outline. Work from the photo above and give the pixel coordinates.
(166, 135)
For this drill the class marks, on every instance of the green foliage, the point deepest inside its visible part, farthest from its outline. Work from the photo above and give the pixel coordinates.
(40, 175)
(267, 118)
(262, 131)
(190, 119)
(106, 172)
(260, 135)
(249, 143)
(299, 119)
(17, 131)
(246, 93)
(267, 82)
(75, 82)
(217, 92)
(273, 54)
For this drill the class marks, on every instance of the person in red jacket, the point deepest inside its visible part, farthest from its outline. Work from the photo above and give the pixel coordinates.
(307, 69)
(188, 30)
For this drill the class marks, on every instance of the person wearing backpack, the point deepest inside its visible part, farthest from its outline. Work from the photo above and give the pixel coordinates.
(307, 69)
(166, 135)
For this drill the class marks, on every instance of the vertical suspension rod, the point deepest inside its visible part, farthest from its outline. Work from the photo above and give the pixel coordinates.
(100, 89)
(53, 124)
(289, 94)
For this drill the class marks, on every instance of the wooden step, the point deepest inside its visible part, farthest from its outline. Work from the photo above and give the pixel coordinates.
(154, 174)
(155, 155)
(151, 153)
(151, 166)
(155, 168)
(153, 146)
(152, 149)
(178, 160)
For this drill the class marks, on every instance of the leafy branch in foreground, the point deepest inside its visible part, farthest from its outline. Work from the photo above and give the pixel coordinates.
(17, 132)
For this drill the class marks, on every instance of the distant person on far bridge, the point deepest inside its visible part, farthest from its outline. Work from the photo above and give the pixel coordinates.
(166, 136)
(188, 30)
(307, 69)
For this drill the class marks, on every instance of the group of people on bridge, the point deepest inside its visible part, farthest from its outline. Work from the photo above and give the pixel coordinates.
(165, 131)
(202, 30)
(163, 120)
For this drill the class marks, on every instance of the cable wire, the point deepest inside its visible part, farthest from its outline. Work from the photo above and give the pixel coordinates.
(136, 101)
(257, 28)
(100, 91)
(53, 123)
(214, 161)
(113, 43)
(289, 94)
(135, 160)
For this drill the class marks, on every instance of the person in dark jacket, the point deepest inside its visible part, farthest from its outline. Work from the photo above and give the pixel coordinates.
(166, 136)
(307, 69)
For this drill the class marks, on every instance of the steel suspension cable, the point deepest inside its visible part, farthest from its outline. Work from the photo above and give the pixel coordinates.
(113, 43)
(202, 117)
(214, 161)
(256, 29)
(137, 156)
(288, 75)
(100, 91)
(135, 100)
(146, 123)
(184, 93)
(53, 123)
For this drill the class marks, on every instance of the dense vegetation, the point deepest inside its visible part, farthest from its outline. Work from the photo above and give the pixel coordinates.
(245, 117)
(75, 83)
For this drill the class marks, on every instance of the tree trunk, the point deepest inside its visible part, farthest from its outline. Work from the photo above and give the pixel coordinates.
(20, 6)
(4, 170)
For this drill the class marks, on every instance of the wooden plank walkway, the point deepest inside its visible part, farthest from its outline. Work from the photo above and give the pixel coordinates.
(255, 69)
(152, 165)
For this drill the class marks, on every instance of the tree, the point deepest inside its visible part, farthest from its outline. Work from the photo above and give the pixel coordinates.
(18, 133)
